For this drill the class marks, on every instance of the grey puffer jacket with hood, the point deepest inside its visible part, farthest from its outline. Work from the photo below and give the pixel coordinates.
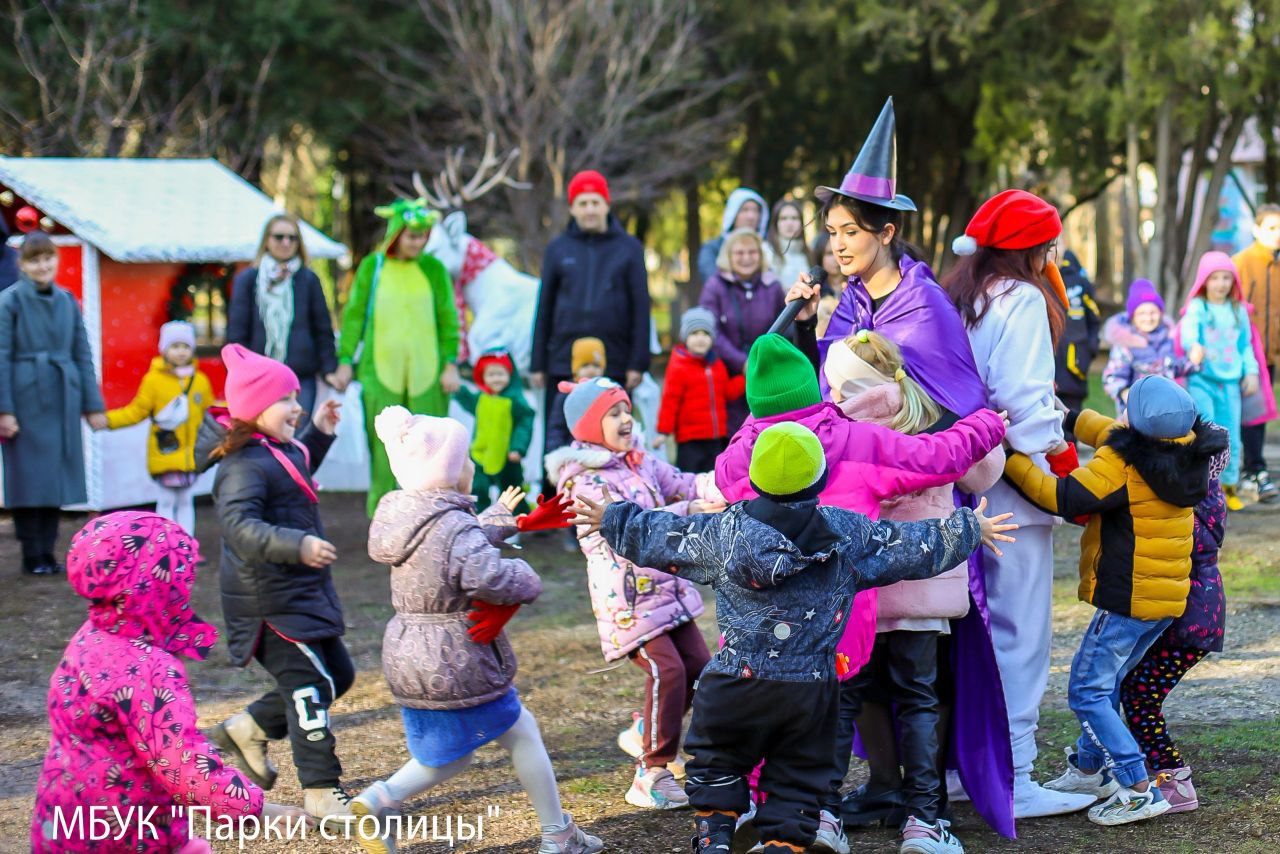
(443, 558)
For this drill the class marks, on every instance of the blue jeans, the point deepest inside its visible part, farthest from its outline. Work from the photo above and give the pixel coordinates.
(1112, 646)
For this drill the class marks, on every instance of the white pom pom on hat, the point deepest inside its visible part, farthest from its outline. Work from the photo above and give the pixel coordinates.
(964, 245)
(392, 423)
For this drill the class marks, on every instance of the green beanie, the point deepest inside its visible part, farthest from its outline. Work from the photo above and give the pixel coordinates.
(779, 378)
(787, 459)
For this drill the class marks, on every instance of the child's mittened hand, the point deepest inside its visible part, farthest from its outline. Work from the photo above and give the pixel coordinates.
(489, 620)
(992, 529)
(550, 513)
(512, 497)
(317, 553)
(327, 417)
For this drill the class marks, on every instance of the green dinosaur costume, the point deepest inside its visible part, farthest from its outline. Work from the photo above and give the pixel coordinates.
(401, 320)
(504, 423)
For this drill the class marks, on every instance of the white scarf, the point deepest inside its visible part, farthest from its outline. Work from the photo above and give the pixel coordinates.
(275, 302)
(849, 374)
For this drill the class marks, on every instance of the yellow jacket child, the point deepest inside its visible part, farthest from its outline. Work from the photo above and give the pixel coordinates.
(173, 374)
(1139, 491)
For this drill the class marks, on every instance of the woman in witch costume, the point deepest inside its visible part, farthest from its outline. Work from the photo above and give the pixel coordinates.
(893, 293)
(402, 311)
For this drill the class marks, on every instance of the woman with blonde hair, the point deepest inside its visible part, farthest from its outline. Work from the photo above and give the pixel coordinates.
(745, 299)
(278, 308)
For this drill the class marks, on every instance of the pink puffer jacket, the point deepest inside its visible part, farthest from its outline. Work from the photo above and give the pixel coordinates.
(867, 464)
(947, 595)
(632, 604)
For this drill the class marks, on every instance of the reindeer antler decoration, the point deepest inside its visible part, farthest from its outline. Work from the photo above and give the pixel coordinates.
(448, 190)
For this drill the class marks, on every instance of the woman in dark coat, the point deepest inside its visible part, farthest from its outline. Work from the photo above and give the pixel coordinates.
(278, 308)
(47, 383)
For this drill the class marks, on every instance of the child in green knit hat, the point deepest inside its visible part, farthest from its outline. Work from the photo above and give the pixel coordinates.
(504, 425)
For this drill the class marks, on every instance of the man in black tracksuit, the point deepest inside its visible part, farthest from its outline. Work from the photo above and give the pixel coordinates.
(594, 284)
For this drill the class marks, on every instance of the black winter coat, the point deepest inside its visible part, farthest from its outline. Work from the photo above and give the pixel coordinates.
(264, 515)
(1079, 342)
(311, 348)
(593, 285)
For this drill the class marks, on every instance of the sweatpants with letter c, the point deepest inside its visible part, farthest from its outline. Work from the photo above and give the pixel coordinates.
(309, 676)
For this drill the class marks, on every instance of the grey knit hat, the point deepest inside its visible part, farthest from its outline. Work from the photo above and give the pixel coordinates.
(697, 319)
(586, 404)
(1160, 408)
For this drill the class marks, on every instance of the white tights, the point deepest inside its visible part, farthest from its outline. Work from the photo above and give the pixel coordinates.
(179, 505)
(533, 768)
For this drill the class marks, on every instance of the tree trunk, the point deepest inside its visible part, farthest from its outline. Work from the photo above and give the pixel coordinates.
(1176, 250)
(1209, 207)
(1104, 276)
(1133, 204)
(1165, 188)
(1268, 115)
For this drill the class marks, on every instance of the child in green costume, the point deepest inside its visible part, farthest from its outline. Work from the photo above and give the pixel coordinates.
(504, 425)
(401, 321)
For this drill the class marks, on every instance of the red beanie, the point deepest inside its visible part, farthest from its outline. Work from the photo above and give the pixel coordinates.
(589, 181)
(1014, 219)
(493, 357)
(254, 382)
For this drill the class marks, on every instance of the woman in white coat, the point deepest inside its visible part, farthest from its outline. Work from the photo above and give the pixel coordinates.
(1013, 303)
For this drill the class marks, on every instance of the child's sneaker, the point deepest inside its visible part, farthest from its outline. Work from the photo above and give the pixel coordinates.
(656, 789)
(830, 835)
(1175, 785)
(1233, 499)
(1267, 492)
(331, 802)
(1100, 784)
(240, 737)
(569, 839)
(919, 837)
(714, 833)
(1128, 805)
(377, 802)
(631, 742)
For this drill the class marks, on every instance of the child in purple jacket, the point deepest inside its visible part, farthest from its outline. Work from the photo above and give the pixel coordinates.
(1189, 638)
(1142, 344)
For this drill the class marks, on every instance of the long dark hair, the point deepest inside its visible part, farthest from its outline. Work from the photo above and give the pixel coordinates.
(970, 282)
(774, 238)
(240, 434)
(874, 219)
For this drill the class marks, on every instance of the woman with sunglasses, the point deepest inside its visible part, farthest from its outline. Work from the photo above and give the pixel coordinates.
(278, 309)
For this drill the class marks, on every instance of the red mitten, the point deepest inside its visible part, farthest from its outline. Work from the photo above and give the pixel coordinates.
(1064, 463)
(550, 513)
(489, 619)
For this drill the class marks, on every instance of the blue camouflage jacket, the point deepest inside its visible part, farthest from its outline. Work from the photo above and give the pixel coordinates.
(781, 611)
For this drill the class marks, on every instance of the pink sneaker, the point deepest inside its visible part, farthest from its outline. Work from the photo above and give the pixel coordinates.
(1175, 784)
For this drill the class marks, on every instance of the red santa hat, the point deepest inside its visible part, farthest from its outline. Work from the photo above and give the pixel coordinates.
(588, 181)
(1014, 219)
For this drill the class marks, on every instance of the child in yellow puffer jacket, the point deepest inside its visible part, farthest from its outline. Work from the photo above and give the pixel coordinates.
(174, 394)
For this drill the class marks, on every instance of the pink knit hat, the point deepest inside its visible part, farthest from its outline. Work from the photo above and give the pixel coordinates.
(425, 452)
(254, 382)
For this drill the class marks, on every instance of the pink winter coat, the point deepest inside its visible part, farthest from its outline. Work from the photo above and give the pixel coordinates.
(867, 464)
(122, 720)
(944, 596)
(632, 604)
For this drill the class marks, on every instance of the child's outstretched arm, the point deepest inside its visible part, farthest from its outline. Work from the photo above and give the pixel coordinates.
(136, 410)
(1095, 488)
(242, 499)
(909, 463)
(1118, 373)
(888, 552)
(1091, 428)
(480, 571)
(684, 546)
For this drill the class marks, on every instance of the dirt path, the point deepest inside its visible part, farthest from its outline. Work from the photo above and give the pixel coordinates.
(581, 710)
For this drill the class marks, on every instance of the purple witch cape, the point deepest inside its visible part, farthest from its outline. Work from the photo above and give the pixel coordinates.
(921, 320)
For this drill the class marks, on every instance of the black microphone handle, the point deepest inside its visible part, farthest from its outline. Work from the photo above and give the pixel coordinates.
(817, 276)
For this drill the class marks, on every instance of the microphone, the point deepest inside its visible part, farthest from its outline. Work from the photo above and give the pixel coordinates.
(789, 312)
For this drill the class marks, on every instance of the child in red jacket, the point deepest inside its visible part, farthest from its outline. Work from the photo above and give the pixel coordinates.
(695, 395)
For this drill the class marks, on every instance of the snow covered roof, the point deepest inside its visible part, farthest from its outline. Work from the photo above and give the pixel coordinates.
(153, 209)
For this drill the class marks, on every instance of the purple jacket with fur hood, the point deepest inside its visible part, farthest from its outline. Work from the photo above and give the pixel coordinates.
(443, 557)
(632, 604)
(943, 596)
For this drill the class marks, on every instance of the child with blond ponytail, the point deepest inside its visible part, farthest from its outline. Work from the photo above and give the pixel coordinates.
(869, 383)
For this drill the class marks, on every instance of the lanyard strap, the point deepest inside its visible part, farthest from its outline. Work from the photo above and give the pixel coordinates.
(304, 483)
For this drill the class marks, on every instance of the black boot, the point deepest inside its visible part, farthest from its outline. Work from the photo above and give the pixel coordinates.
(872, 804)
(715, 833)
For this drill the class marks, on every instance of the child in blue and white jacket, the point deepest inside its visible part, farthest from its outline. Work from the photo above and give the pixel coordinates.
(784, 571)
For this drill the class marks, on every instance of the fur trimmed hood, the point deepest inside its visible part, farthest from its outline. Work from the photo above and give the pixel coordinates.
(1177, 471)
(581, 455)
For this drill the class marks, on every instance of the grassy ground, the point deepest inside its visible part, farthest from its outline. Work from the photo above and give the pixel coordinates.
(1228, 729)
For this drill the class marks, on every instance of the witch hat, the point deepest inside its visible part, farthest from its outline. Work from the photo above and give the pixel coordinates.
(873, 177)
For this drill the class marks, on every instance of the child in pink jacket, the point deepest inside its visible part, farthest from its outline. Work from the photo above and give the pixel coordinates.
(868, 464)
(122, 719)
(642, 614)
(869, 382)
